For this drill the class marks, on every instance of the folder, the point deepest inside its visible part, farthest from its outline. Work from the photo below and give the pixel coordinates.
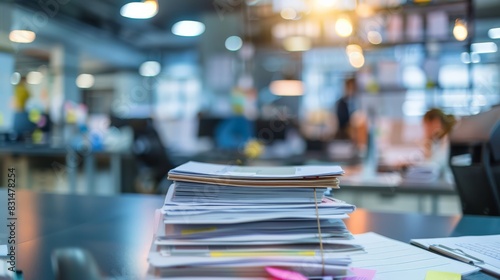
(257, 176)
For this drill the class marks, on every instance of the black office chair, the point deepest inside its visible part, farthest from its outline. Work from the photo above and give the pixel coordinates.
(153, 162)
(475, 163)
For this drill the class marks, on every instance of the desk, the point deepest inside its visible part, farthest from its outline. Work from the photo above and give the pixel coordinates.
(118, 230)
(68, 168)
(433, 190)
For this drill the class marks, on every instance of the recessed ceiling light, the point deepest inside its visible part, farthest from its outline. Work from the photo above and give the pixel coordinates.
(85, 81)
(494, 33)
(188, 28)
(343, 26)
(140, 10)
(34, 78)
(233, 43)
(297, 44)
(460, 30)
(486, 47)
(22, 36)
(374, 37)
(15, 78)
(288, 13)
(287, 87)
(150, 69)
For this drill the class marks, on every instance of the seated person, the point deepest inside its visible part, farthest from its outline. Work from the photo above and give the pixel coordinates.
(437, 125)
(435, 147)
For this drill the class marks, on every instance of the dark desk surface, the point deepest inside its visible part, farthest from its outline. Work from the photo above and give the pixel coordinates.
(118, 230)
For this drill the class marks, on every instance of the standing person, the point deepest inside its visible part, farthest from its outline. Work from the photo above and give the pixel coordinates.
(344, 109)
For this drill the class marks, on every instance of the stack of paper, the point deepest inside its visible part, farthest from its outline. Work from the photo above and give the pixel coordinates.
(232, 222)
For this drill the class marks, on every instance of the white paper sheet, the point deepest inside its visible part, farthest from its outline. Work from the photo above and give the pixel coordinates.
(256, 172)
(397, 260)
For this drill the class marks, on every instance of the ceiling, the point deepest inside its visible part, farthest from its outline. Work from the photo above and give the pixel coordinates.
(110, 38)
(104, 15)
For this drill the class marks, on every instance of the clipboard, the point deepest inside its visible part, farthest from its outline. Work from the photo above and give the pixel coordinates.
(481, 251)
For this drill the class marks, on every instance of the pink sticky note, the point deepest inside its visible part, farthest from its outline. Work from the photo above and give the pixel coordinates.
(361, 274)
(282, 274)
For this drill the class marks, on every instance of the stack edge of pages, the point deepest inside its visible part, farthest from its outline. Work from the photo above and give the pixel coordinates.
(231, 222)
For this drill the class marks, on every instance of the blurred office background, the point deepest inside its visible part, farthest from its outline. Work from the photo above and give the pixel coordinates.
(104, 97)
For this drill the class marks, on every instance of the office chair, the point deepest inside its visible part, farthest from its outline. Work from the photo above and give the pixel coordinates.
(153, 161)
(477, 177)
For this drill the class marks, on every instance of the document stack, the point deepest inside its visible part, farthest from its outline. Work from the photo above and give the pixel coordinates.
(233, 222)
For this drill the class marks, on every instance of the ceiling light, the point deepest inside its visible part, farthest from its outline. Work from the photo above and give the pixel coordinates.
(343, 26)
(325, 4)
(357, 60)
(486, 47)
(353, 48)
(150, 69)
(34, 78)
(374, 37)
(288, 13)
(22, 36)
(85, 81)
(475, 57)
(494, 33)
(188, 28)
(460, 30)
(465, 57)
(15, 78)
(355, 55)
(297, 44)
(233, 43)
(140, 10)
(287, 87)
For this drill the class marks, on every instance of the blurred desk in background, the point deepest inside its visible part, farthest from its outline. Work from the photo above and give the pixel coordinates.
(59, 163)
(389, 185)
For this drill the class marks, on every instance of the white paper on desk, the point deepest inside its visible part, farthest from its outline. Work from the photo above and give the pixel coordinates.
(466, 243)
(156, 259)
(393, 259)
(203, 193)
(327, 206)
(240, 268)
(219, 218)
(255, 172)
(276, 227)
(177, 195)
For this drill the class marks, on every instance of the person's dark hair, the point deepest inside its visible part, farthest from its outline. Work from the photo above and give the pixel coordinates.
(349, 86)
(447, 120)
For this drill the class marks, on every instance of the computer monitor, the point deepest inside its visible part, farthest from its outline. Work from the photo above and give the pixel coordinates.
(207, 126)
(268, 131)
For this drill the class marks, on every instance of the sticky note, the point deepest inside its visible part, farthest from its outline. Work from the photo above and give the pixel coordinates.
(441, 275)
(361, 274)
(283, 274)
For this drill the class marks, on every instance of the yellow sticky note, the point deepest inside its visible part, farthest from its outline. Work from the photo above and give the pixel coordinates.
(440, 275)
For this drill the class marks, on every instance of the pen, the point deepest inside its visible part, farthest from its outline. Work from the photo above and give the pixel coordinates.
(455, 253)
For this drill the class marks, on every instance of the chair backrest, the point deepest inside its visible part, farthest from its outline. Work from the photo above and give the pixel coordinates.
(477, 177)
(495, 144)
